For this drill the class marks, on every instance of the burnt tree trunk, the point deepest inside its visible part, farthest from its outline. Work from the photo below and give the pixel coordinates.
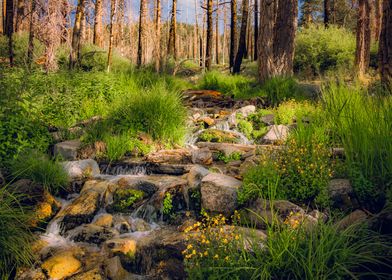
(141, 59)
(158, 36)
(385, 45)
(233, 32)
(171, 46)
(9, 29)
(217, 33)
(30, 48)
(113, 6)
(209, 35)
(76, 35)
(256, 31)
(362, 53)
(242, 41)
(327, 12)
(97, 37)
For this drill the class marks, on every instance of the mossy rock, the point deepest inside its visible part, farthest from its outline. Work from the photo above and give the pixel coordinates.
(218, 136)
(124, 200)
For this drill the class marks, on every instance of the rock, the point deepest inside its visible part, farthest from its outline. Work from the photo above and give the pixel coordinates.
(125, 246)
(194, 177)
(382, 222)
(67, 150)
(356, 217)
(319, 216)
(139, 225)
(29, 274)
(61, 266)
(226, 148)
(97, 186)
(205, 94)
(268, 119)
(276, 134)
(94, 274)
(207, 121)
(338, 153)
(341, 193)
(218, 136)
(202, 156)
(114, 269)
(246, 111)
(104, 220)
(91, 233)
(81, 169)
(219, 193)
(181, 156)
(81, 210)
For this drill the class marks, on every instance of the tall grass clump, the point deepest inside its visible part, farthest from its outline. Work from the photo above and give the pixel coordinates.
(15, 236)
(319, 49)
(279, 89)
(362, 124)
(157, 111)
(37, 167)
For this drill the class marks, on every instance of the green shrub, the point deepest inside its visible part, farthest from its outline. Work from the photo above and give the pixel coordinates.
(245, 127)
(319, 49)
(124, 199)
(37, 167)
(292, 111)
(229, 158)
(117, 146)
(15, 236)
(279, 89)
(167, 204)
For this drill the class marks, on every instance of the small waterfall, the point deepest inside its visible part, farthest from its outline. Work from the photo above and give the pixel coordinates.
(125, 169)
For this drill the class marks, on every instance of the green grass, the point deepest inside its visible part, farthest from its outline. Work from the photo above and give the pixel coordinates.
(15, 236)
(37, 167)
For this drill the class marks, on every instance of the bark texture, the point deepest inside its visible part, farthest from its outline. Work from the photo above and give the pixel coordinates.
(385, 45)
(9, 28)
(171, 46)
(76, 35)
(209, 35)
(113, 6)
(233, 32)
(158, 36)
(256, 31)
(362, 53)
(242, 41)
(141, 59)
(97, 37)
(327, 12)
(30, 49)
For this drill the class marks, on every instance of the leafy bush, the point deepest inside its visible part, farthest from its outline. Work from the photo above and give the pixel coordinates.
(292, 111)
(216, 250)
(319, 49)
(15, 236)
(37, 167)
(362, 124)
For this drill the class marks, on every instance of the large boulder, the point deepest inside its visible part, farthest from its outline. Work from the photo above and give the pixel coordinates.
(81, 168)
(342, 194)
(202, 156)
(61, 266)
(67, 150)
(219, 193)
(192, 189)
(276, 134)
(91, 233)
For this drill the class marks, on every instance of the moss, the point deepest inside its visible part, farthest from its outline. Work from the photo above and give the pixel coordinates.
(124, 199)
(218, 136)
(246, 128)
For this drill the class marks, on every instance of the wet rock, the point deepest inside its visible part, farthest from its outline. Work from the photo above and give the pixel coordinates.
(81, 169)
(218, 136)
(268, 119)
(91, 233)
(207, 121)
(202, 156)
(104, 220)
(181, 156)
(94, 274)
(30, 274)
(67, 150)
(114, 269)
(194, 177)
(118, 246)
(356, 217)
(226, 148)
(276, 134)
(81, 210)
(61, 266)
(139, 225)
(97, 186)
(341, 193)
(246, 111)
(219, 193)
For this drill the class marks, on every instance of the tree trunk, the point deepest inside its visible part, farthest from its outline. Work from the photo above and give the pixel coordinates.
(65, 21)
(233, 32)
(171, 46)
(377, 18)
(20, 14)
(113, 6)
(141, 59)
(209, 35)
(242, 42)
(224, 34)
(385, 45)
(30, 49)
(97, 40)
(217, 33)
(158, 36)
(76, 35)
(327, 12)
(284, 35)
(9, 28)
(256, 31)
(195, 36)
(362, 53)
(2, 16)
(266, 40)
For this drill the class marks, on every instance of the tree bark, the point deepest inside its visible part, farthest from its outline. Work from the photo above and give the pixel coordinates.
(385, 46)
(30, 49)
(256, 31)
(113, 6)
(327, 12)
(158, 36)
(233, 33)
(195, 37)
(242, 42)
(97, 40)
(377, 18)
(362, 53)
(9, 28)
(266, 40)
(141, 59)
(217, 33)
(171, 46)
(209, 35)
(76, 35)
(20, 14)
(2, 16)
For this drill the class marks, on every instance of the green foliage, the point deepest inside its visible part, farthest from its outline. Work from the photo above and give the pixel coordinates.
(36, 166)
(167, 204)
(117, 146)
(229, 158)
(292, 111)
(279, 89)
(245, 127)
(15, 236)
(362, 124)
(124, 199)
(217, 136)
(319, 49)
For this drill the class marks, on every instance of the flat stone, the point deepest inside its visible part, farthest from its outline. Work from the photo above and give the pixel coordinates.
(61, 266)
(67, 150)
(81, 168)
(219, 193)
(202, 156)
(182, 156)
(276, 134)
